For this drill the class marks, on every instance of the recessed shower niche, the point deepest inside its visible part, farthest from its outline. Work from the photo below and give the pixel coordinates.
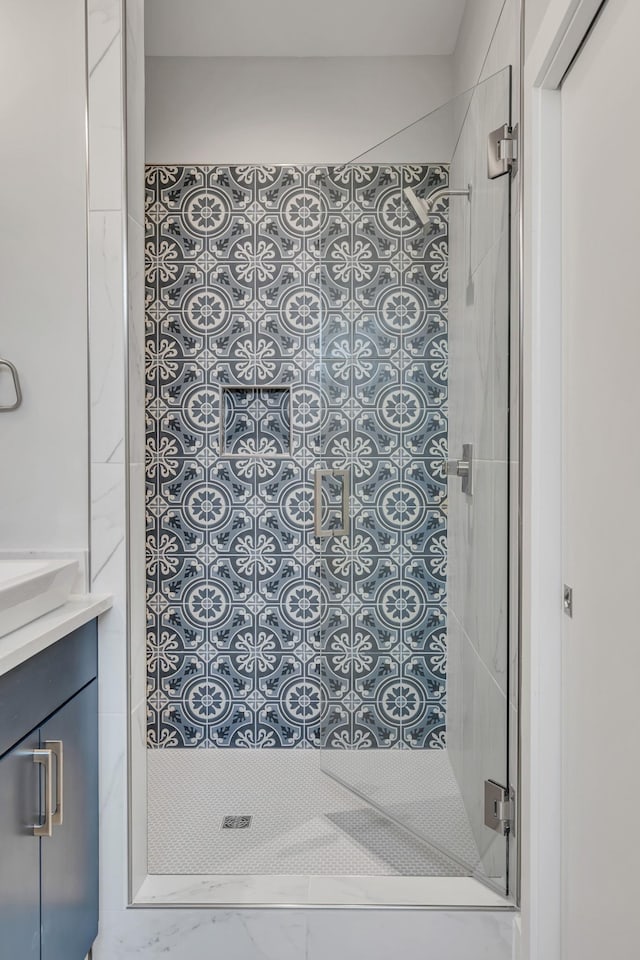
(326, 607)
(255, 422)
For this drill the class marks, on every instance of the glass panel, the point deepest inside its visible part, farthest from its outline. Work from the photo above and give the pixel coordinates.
(414, 577)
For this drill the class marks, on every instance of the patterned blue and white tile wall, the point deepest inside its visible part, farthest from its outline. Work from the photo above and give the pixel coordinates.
(296, 317)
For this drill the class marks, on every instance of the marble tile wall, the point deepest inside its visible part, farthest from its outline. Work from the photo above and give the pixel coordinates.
(134, 97)
(296, 318)
(108, 453)
(306, 934)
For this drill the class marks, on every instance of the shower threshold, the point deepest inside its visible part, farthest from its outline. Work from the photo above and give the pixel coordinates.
(311, 842)
(238, 891)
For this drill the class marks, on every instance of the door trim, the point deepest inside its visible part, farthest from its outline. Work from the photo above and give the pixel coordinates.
(561, 34)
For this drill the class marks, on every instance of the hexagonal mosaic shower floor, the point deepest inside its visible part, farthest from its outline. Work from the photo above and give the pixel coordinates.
(303, 821)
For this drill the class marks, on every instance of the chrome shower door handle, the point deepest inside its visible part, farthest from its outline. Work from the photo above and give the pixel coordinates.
(45, 758)
(5, 408)
(343, 529)
(463, 468)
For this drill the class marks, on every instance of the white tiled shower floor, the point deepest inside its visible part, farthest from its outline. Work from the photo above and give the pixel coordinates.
(304, 822)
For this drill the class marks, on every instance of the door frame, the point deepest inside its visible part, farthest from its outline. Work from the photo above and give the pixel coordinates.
(561, 34)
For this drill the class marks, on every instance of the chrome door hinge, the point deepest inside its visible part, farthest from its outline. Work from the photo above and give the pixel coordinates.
(498, 807)
(502, 151)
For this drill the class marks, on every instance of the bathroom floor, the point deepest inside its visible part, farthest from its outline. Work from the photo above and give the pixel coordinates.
(303, 821)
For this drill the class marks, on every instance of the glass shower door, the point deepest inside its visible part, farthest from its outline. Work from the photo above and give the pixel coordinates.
(414, 367)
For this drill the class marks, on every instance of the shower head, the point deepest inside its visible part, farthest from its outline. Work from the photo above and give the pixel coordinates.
(423, 207)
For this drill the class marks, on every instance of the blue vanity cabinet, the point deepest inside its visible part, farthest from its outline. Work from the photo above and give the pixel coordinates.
(69, 858)
(19, 852)
(49, 779)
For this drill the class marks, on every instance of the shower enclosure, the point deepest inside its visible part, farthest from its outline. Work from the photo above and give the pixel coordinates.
(328, 399)
(413, 481)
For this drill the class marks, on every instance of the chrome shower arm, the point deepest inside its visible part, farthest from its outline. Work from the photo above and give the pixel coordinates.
(446, 192)
(423, 206)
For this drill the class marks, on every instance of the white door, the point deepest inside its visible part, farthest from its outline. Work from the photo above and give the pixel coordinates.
(601, 647)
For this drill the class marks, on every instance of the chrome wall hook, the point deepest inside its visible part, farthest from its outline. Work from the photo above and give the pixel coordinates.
(5, 408)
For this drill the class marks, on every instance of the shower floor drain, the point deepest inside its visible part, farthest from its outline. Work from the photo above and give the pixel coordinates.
(236, 823)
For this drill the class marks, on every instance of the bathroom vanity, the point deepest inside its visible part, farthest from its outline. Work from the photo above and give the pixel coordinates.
(49, 785)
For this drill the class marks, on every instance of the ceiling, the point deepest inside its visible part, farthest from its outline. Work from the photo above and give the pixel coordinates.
(301, 28)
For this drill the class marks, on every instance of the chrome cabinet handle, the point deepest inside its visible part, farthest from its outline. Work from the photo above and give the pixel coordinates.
(45, 829)
(57, 749)
(5, 408)
(343, 529)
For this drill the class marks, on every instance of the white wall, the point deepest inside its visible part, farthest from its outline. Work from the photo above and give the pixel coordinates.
(534, 14)
(599, 95)
(43, 286)
(544, 699)
(301, 28)
(285, 110)
(474, 40)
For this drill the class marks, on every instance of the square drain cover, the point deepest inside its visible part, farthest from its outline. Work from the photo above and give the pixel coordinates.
(236, 823)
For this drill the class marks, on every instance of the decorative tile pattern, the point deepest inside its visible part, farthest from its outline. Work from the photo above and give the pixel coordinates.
(296, 319)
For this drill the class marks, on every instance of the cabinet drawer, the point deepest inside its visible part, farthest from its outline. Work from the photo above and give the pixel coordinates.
(34, 690)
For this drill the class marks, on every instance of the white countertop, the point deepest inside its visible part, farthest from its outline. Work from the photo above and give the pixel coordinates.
(24, 643)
